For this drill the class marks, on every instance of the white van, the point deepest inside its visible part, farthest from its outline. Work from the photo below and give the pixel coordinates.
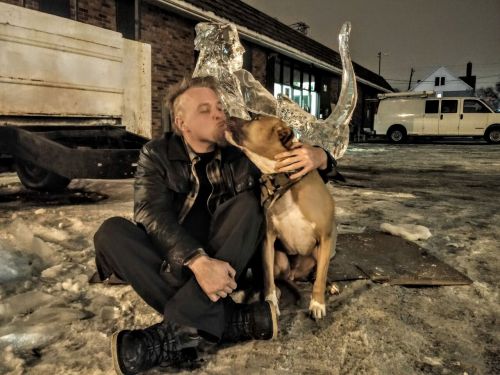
(401, 115)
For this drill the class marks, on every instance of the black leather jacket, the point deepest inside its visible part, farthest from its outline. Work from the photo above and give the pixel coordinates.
(162, 183)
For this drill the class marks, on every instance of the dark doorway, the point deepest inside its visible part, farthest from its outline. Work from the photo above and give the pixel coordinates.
(125, 18)
(56, 7)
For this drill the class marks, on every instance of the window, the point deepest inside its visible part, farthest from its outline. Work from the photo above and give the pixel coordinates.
(431, 106)
(475, 106)
(443, 80)
(296, 81)
(125, 18)
(277, 69)
(449, 106)
(56, 7)
(436, 81)
(286, 74)
(247, 57)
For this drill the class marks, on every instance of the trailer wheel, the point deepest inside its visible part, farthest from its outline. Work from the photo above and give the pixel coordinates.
(36, 178)
(492, 135)
(397, 134)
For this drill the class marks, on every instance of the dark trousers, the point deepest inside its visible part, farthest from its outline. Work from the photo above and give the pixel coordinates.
(125, 249)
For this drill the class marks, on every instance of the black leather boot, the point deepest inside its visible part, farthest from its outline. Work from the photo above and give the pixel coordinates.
(255, 321)
(163, 344)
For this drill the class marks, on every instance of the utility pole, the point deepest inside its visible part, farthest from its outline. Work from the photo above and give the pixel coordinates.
(379, 54)
(411, 76)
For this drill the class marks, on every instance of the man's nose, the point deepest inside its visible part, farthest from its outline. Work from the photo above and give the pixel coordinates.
(219, 114)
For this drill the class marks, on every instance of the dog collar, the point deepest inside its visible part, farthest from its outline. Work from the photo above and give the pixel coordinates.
(274, 185)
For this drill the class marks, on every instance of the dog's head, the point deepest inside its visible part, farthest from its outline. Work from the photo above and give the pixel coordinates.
(260, 139)
(264, 135)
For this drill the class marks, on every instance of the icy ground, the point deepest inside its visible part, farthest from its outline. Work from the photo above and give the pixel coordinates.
(53, 322)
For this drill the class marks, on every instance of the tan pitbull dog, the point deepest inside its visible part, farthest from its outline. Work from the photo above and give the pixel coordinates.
(302, 219)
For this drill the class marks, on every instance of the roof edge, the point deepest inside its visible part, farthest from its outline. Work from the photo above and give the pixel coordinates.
(200, 14)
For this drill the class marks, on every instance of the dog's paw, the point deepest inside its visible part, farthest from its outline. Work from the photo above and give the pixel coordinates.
(317, 310)
(273, 298)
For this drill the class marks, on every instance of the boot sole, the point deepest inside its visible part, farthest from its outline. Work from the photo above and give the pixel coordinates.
(274, 317)
(114, 353)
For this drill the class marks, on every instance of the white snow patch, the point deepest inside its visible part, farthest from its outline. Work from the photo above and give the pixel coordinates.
(411, 232)
(10, 363)
(13, 264)
(49, 234)
(24, 237)
(75, 285)
(53, 272)
(24, 303)
(348, 228)
(388, 194)
(39, 328)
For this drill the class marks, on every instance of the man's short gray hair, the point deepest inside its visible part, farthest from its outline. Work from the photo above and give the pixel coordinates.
(180, 88)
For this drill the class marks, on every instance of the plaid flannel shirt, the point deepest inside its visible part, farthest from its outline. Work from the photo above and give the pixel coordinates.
(214, 176)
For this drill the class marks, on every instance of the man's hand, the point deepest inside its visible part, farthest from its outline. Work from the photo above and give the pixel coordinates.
(302, 157)
(215, 277)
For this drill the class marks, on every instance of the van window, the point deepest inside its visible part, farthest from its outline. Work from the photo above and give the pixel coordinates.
(449, 106)
(431, 106)
(475, 106)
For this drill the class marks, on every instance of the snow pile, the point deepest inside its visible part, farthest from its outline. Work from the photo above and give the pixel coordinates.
(13, 265)
(39, 328)
(24, 303)
(410, 232)
(25, 239)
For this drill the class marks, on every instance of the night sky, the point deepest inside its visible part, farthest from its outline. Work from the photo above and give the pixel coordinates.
(423, 34)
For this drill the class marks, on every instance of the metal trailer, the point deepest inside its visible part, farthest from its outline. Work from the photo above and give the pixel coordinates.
(75, 99)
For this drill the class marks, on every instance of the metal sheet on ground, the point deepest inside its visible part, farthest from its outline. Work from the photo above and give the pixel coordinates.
(385, 258)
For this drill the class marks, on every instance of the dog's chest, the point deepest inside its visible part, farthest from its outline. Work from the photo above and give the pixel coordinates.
(295, 232)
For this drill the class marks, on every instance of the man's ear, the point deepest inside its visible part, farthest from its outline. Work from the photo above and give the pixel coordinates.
(285, 135)
(179, 123)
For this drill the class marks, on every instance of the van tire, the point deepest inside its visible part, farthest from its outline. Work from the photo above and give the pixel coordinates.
(36, 178)
(397, 134)
(492, 134)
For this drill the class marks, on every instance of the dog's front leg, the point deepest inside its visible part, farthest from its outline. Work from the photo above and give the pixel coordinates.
(317, 306)
(268, 264)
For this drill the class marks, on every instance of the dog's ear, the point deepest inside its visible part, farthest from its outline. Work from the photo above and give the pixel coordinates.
(285, 135)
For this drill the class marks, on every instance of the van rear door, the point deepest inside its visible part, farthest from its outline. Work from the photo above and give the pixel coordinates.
(449, 118)
(474, 117)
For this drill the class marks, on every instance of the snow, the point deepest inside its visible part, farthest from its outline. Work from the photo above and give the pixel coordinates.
(13, 264)
(410, 232)
(53, 322)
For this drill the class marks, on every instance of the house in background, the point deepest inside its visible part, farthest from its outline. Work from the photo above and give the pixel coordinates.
(281, 58)
(444, 83)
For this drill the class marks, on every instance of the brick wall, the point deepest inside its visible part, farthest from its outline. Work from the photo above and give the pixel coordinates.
(172, 54)
(171, 38)
(31, 4)
(13, 2)
(100, 13)
(34, 4)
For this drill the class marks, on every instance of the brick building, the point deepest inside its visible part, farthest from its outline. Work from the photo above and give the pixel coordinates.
(283, 59)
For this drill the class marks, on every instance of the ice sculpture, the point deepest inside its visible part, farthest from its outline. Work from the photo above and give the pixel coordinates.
(221, 56)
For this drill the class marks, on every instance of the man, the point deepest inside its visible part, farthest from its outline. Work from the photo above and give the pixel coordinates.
(198, 224)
